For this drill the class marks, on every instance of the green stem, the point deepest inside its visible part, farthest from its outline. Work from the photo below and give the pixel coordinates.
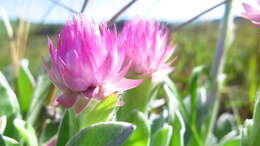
(224, 42)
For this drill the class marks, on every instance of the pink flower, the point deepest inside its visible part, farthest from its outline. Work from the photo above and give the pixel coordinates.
(52, 141)
(87, 62)
(252, 14)
(147, 48)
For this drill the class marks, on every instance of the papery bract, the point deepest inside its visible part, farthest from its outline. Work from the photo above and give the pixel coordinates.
(87, 62)
(147, 48)
(252, 14)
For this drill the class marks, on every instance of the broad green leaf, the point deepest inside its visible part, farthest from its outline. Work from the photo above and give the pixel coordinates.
(26, 131)
(141, 136)
(178, 126)
(102, 134)
(9, 106)
(40, 95)
(3, 121)
(9, 103)
(162, 136)
(25, 84)
(138, 98)
(100, 113)
(68, 127)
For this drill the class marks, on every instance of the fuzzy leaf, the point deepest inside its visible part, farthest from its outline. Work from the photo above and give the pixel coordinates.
(26, 131)
(25, 84)
(9, 103)
(102, 134)
(100, 113)
(40, 94)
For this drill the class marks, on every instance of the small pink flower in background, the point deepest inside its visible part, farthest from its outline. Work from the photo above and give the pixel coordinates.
(147, 48)
(87, 62)
(252, 14)
(52, 141)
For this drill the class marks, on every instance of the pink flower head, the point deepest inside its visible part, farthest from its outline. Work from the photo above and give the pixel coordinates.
(252, 14)
(87, 62)
(147, 48)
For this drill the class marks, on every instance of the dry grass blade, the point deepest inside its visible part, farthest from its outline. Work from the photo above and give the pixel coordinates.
(64, 6)
(10, 33)
(18, 43)
(84, 6)
(111, 21)
(7, 24)
(22, 37)
(199, 15)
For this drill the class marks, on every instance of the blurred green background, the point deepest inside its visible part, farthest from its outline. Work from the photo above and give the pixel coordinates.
(195, 46)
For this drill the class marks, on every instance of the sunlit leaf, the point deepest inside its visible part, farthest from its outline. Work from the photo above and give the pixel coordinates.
(26, 131)
(100, 113)
(40, 94)
(9, 106)
(9, 103)
(138, 98)
(25, 84)
(102, 134)
(3, 121)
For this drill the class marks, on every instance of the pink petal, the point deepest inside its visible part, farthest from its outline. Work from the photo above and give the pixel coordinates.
(52, 49)
(104, 69)
(121, 74)
(52, 141)
(125, 84)
(73, 82)
(67, 100)
(247, 7)
(91, 92)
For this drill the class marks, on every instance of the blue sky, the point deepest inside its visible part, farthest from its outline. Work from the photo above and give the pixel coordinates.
(168, 10)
